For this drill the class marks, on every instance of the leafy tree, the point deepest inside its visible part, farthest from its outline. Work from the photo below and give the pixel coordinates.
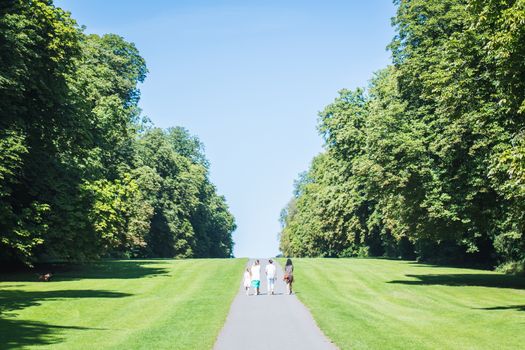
(432, 155)
(190, 219)
(38, 45)
(82, 175)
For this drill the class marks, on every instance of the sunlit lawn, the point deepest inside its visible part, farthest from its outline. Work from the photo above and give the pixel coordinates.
(384, 304)
(147, 304)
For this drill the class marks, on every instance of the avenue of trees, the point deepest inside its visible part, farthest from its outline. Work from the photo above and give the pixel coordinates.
(82, 174)
(428, 162)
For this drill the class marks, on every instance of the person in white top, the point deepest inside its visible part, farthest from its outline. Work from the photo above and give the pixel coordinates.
(256, 276)
(270, 276)
(247, 280)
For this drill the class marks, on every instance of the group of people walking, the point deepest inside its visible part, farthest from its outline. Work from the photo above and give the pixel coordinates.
(252, 277)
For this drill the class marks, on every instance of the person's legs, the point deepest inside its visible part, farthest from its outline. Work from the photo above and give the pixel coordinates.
(270, 285)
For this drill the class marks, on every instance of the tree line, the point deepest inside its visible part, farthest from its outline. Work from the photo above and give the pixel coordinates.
(428, 162)
(83, 174)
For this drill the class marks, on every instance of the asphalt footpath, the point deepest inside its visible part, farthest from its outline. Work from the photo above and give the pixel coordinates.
(269, 322)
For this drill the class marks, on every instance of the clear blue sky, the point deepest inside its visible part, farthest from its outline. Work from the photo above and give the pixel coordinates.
(248, 78)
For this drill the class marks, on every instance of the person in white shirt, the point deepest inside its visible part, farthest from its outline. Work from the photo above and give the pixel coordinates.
(270, 276)
(247, 281)
(256, 276)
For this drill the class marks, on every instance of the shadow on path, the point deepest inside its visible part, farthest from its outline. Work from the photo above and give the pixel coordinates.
(476, 280)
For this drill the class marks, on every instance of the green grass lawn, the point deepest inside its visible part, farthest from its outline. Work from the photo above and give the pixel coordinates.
(145, 304)
(385, 304)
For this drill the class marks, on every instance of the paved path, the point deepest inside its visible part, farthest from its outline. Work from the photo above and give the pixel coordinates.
(269, 322)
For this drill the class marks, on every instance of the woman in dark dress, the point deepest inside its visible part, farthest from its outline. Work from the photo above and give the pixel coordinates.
(288, 275)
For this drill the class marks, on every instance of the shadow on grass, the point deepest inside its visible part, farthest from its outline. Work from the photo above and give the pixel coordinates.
(20, 333)
(16, 334)
(508, 307)
(120, 269)
(15, 299)
(126, 269)
(475, 280)
(424, 264)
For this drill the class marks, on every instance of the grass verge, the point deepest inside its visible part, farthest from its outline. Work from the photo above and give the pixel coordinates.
(137, 304)
(385, 304)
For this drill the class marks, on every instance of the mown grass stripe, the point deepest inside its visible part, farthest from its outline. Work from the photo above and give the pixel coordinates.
(388, 304)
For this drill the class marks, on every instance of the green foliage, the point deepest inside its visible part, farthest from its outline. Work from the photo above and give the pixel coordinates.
(513, 267)
(190, 219)
(117, 215)
(81, 177)
(430, 160)
(38, 45)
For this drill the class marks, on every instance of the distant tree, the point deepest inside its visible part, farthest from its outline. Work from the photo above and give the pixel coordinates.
(190, 219)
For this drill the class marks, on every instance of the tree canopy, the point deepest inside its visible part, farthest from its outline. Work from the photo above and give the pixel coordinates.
(428, 161)
(82, 174)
